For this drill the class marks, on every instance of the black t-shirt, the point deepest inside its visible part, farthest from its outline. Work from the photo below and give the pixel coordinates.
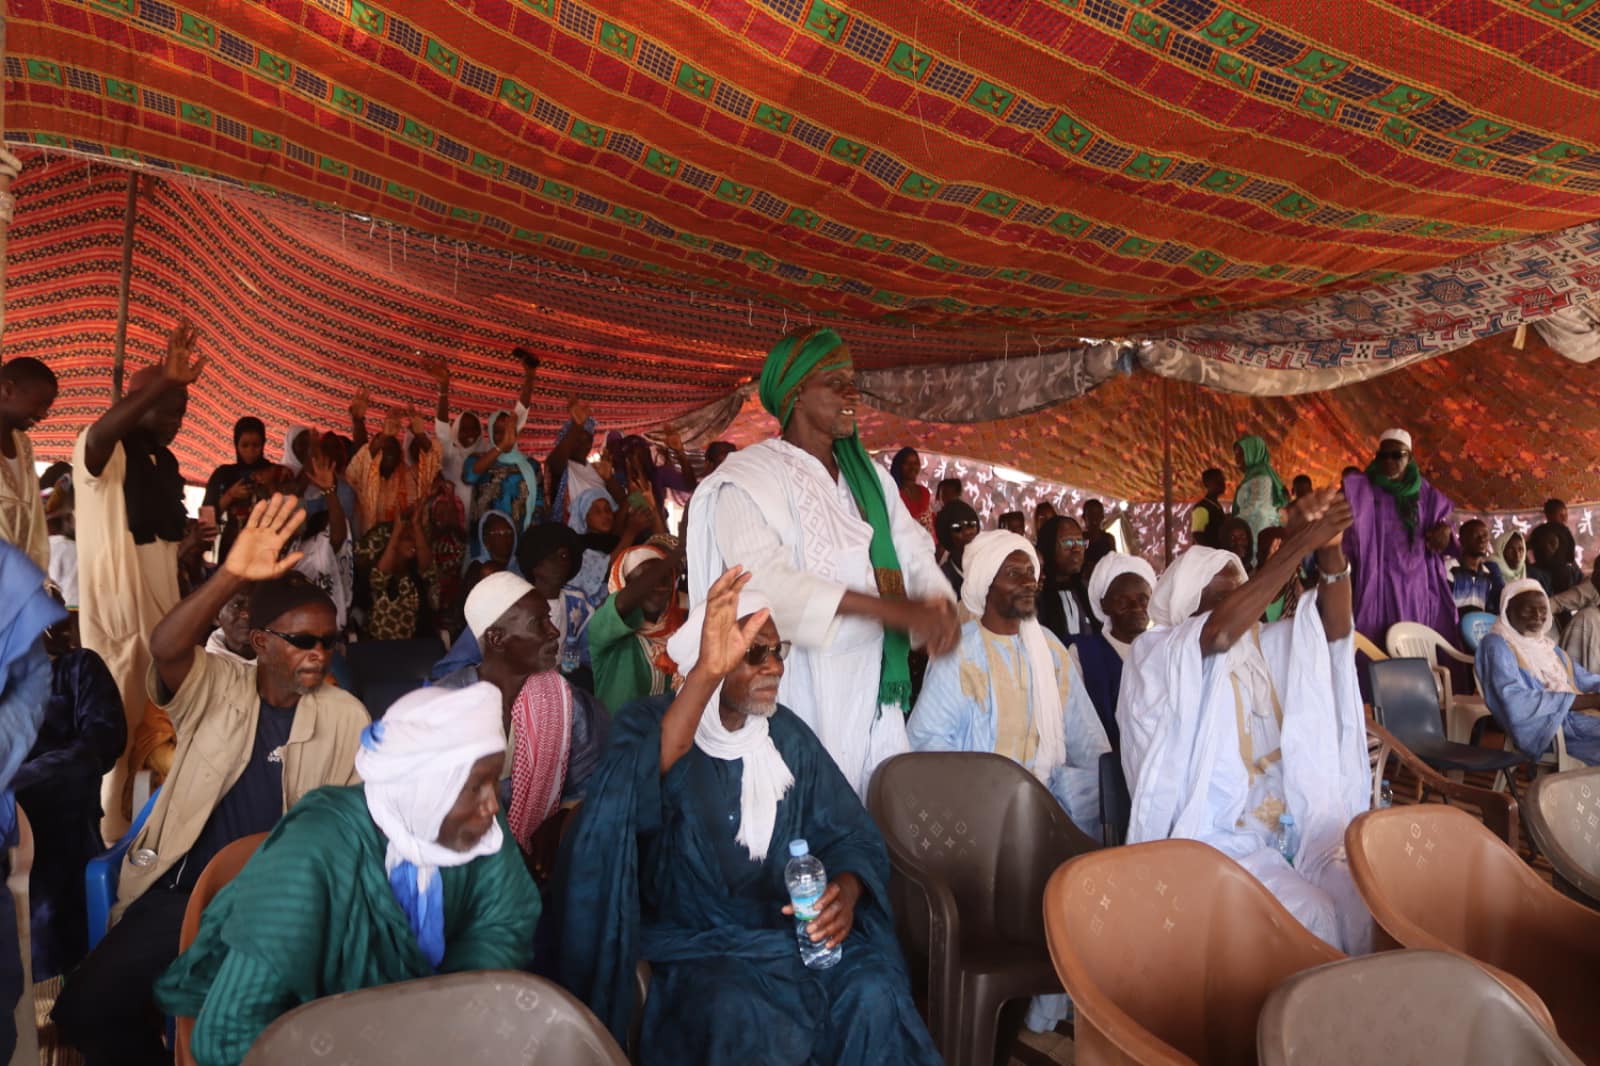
(252, 805)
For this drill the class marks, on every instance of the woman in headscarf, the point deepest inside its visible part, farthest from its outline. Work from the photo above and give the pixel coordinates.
(594, 518)
(497, 550)
(1511, 554)
(234, 488)
(1531, 685)
(404, 876)
(628, 634)
(905, 468)
(954, 528)
(1262, 496)
(1064, 607)
(503, 478)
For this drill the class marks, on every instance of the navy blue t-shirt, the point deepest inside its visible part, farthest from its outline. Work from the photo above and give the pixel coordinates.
(252, 805)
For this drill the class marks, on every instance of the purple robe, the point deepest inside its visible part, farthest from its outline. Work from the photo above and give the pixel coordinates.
(1393, 575)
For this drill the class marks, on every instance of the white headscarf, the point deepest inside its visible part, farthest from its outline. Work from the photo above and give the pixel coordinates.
(290, 435)
(1396, 435)
(1107, 570)
(1538, 653)
(1501, 543)
(1177, 594)
(982, 561)
(765, 777)
(414, 762)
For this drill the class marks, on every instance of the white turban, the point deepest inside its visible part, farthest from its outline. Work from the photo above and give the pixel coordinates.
(982, 560)
(1177, 594)
(1397, 435)
(413, 762)
(1537, 653)
(491, 598)
(1107, 570)
(765, 777)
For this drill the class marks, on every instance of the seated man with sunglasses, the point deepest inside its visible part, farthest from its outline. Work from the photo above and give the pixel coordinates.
(253, 737)
(678, 853)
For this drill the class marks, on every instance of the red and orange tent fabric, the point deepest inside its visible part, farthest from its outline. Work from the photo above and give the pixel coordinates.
(653, 192)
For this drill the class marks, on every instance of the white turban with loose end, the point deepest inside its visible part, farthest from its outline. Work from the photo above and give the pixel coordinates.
(1177, 594)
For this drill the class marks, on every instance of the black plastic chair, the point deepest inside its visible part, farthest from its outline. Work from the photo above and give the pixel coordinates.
(1116, 805)
(972, 839)
(385, 670)
(1406, 702)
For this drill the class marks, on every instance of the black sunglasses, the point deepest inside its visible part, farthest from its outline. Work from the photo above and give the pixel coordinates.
(758, 652)
(1395, 456)
(307, 641)
(964, 524)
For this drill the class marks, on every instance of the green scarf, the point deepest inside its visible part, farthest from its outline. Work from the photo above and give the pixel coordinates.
(1405, 491)
(788, 365)
(1258, 463)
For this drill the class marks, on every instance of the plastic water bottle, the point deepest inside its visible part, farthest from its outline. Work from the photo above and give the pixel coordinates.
(807, 881)
(1385, 796)
(1288, 838)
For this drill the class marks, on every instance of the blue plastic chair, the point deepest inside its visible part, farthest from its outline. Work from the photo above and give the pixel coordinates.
(1475, 625)
(100, 875)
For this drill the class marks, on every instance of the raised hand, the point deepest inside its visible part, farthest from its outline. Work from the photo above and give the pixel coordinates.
(672, 439)
(180, 366)
(359, 403)
(319, 471)
(438, 370)
(723, 640)
(1337, 518)
(578, 410)
(419, 428)
(256, 550)
(604, 468)
(506, 435)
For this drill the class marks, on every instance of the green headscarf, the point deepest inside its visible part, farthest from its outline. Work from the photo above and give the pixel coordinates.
(1405, 491)
(1258, 463)
(788, 365)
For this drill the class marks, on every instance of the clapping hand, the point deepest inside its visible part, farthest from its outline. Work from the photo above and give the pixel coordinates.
(256, 550)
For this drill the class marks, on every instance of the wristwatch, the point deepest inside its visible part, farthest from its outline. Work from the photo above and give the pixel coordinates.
(1342, 575)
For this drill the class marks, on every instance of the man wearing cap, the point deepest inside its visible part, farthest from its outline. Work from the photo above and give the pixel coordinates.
(1012, 688)
(403, 876)
(555, 732)
(1397, 544)
(628, 635)
(252, 739)
(1234, 732)
(678, 854)
(826, 537)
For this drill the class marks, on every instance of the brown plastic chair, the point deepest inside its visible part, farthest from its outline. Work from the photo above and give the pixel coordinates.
(1497, 809)
(1435, 878)
(488, 1016)
(223, 867)
(1563, 812)
(1169, 950)
(1402, 1008)
(972, 839)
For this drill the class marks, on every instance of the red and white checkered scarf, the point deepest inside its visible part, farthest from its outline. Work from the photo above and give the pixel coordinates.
(541, 724)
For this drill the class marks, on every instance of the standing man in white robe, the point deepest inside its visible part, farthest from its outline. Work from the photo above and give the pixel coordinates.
(1012, 688)
(822, 529)
(1227, 724)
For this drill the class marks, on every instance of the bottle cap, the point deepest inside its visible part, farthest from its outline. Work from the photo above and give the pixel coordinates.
(798, 848)
(1286, 819)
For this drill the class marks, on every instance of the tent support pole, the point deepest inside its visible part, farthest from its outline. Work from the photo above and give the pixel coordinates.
(7, 203)
(123, 285)
(1166, 468)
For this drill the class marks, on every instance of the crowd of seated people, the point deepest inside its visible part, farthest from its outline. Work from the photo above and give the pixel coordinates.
(625, 725)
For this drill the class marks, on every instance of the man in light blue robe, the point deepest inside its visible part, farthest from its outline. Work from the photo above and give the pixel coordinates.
(677, 857)
(1011, 687)
(1532, 687)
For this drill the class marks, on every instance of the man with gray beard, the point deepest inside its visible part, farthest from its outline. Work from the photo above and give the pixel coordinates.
(678, 855)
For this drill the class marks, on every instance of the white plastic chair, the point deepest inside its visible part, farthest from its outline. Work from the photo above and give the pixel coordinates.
(1413, 640)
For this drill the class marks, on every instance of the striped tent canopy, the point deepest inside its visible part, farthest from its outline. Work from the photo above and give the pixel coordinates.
(1288, 196)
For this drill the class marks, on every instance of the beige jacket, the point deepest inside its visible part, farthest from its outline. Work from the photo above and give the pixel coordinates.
(215, 714)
